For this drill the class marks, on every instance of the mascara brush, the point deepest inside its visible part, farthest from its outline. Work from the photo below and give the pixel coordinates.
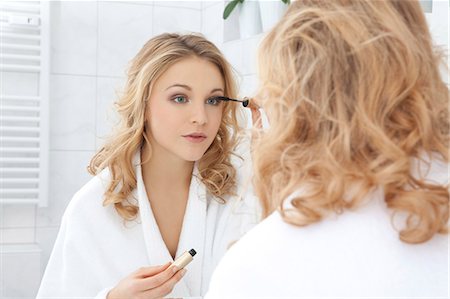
(244, 102)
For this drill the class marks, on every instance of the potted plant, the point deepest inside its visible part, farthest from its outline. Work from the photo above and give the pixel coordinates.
(230, 7)
(249, 16)
(272, 12)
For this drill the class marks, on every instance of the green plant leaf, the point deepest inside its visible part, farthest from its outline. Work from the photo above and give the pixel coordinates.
(229, 8)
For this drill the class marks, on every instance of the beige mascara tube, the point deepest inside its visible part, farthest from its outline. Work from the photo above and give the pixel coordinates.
(184, 259)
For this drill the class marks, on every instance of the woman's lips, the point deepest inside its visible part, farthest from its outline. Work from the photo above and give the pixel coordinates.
(195, 138)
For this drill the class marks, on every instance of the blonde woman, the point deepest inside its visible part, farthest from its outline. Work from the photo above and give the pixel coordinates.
(166, 182)
(353, 172)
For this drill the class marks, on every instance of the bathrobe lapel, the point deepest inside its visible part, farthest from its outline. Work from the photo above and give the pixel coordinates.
(192, 233)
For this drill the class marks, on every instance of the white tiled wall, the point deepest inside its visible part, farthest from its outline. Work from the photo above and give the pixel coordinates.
(20, 266)
(73, 37)
(122, 29)
(107, 88)
(72, 112)
(188, 19)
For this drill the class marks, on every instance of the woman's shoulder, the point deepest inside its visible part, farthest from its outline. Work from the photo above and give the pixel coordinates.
(89, 198)
(353, 243)
(248, 256)
(252, 245)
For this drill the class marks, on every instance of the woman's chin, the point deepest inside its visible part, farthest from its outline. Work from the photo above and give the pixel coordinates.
(193, 157)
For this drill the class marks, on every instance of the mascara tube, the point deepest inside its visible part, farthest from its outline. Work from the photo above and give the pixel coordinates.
(184, 259)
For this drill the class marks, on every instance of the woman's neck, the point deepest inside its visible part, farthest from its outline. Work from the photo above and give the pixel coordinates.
(162, 169)
(167, 180)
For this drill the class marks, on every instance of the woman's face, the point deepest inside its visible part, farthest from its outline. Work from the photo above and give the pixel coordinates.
(182, 118)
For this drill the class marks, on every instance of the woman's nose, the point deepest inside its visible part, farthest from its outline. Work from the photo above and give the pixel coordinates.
(198, 115)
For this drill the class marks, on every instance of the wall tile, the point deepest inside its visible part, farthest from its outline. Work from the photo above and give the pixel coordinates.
(182, 20)
(233, 52)
(20, 269)
(151, 3)
(250, 50)
(73, 37)
(183, 4)
(249, 86)
(108, 90)
(17, 235)
(212, 23)
(45, 238)
(72, 112)
(123, 30)
(206, 4)
(17, 216)
(67, 175)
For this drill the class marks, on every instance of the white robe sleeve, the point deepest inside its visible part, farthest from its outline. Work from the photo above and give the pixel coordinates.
(71, 270)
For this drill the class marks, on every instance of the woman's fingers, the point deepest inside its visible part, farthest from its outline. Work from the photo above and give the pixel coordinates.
(167, 287)
(252, 104)
(150, 271)
(256, 114)
(256, 118)
(159, 279)
(154, 281)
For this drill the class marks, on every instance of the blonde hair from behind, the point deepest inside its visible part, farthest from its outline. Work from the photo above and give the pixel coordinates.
(155, 57)
(353, 94)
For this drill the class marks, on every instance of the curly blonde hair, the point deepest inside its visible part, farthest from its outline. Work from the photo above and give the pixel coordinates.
(157, 55)
(353, 94)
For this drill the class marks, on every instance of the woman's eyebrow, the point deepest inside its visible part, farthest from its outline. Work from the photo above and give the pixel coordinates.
(217, 89)
(180, 85)
(189, 88)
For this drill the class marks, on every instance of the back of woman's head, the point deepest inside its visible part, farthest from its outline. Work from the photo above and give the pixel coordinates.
(155, 57)
(353, 94)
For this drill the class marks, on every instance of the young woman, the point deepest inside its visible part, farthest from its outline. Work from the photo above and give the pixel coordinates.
(353, 172)
(166, 182)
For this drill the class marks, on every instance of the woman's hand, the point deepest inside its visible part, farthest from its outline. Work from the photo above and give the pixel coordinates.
(148, 282)
(256, 114)
(256, 121)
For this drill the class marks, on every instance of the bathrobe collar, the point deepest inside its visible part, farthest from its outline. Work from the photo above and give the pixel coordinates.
(192, 233)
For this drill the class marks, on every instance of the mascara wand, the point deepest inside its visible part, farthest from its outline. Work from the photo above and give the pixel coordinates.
(244, 102)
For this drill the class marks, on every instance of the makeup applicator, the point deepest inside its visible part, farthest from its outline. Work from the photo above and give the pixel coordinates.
(244, 102)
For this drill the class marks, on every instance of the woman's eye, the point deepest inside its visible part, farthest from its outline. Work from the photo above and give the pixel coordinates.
(213, 101)
(179, 99)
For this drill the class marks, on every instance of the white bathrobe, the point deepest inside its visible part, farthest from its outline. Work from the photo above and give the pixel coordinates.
(94, 249)
(356, 254)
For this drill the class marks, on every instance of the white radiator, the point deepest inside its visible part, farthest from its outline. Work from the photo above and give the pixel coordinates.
(24, 102)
